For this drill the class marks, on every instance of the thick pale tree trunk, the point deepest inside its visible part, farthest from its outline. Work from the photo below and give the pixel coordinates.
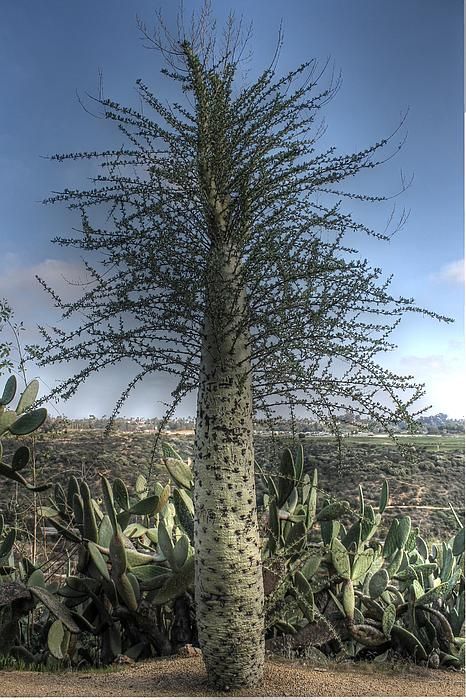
(229, 588)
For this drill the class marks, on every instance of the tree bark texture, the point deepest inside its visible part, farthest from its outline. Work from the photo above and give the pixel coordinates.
(229, 588)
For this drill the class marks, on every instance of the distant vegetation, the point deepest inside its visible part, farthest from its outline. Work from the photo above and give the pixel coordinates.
(438, 424)
(422, 470)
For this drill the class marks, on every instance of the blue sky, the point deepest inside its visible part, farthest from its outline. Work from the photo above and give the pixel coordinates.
(394, 56)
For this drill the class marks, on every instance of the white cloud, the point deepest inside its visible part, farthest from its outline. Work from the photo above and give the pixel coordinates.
(435, 364)
(452, 273)
(18, 284)
(444, 378)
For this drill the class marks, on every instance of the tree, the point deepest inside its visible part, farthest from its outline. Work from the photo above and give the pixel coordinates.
(224, 263)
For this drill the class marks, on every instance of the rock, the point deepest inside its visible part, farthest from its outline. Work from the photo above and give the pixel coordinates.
(189, 650)
(122, 659)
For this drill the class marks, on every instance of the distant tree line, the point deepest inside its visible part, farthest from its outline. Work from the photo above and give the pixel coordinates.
(436, 424)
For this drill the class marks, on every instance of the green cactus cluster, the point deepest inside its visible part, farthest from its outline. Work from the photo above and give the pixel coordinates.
(134, 558)
(392, 593)
(335, 575)
(134, 565)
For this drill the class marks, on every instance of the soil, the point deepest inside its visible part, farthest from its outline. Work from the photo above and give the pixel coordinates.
(186, 677)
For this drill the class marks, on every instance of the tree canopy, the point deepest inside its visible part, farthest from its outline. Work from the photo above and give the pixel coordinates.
(243, 160)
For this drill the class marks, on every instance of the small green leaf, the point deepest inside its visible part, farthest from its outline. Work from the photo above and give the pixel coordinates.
(98, 560)
(56, 608)
(285, 627)
(118, 556)
(141, 485)
(361, 500)
(403, 530)
(180, 552)
(36, 579)
(177, 584)
(378, 583)
(9, 391)
(348, 599)
(334, 510)
(105, 531)
(180, 472)
(311, 565)
(292, 500)
(296, 536)
(340, 558)
(384, 496)
(299, 463)
(169, 452)
(28, 422)
(120, 494)
(417, 589)
(337, 603)
(55, 639)
(388, 619)
(362, 563)
(109, 504)
(287, 477)
(395, 562)
(6, 419)
(165, 544)
(329, 529)
(274, 526)
(146, 572)
(145, 507)
(20, 458)
(184, 508)
(433, 594)
(135, 530)
(7, 544)
(135, 558)
(458, 543)
(368, 523)
(163, 495)
(28, 397)
(391, 540)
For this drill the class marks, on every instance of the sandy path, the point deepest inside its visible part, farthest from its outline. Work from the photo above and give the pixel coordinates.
(186, 677)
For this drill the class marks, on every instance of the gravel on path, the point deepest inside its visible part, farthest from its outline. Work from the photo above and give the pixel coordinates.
(186, 677)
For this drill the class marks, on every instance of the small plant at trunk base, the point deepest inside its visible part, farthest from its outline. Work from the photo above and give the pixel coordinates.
(330, 579)
(224, 250)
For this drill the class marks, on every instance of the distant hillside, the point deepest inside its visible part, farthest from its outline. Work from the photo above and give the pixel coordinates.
(427, 472)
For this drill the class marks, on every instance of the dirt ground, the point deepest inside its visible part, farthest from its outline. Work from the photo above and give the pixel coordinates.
(186, 677)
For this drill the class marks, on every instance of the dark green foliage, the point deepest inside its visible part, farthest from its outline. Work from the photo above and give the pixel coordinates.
(9, 391)
(20, 458)
(21, 421)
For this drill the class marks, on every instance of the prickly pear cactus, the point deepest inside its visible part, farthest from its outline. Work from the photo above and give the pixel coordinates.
(20, 421)
(396, 594)
(135, 555)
